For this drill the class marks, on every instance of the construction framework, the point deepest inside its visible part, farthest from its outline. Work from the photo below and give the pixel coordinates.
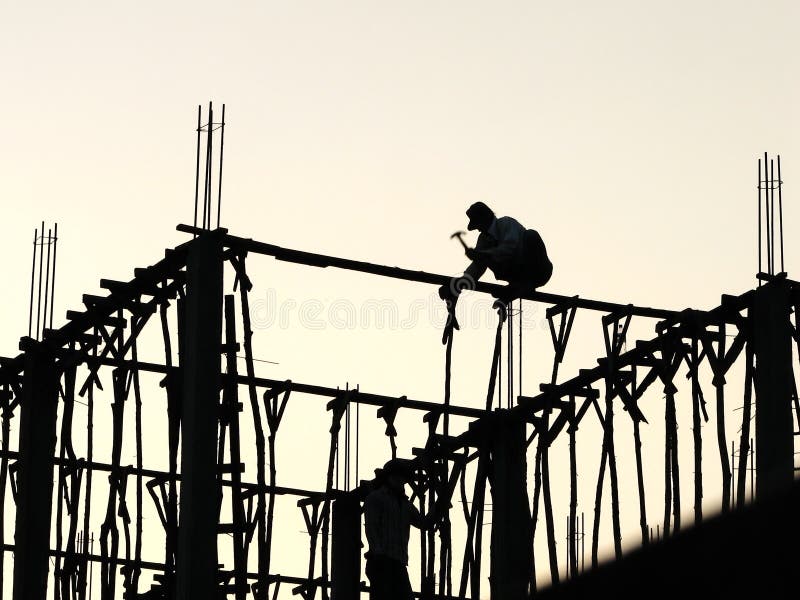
(208, 401)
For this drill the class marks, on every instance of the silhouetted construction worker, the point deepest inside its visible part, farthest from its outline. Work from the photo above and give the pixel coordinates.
(388, 517)
(513, 254)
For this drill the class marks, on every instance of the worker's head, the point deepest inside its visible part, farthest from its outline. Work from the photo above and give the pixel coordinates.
(480, 217)
(395, 474)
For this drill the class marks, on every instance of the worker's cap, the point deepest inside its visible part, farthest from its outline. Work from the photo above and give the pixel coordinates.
(478, 213)
(396, 466)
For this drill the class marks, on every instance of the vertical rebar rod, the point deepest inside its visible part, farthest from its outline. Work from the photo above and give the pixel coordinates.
(221, 148)
(33, 279)
(780, 211)
(47, 279)
(39, 293)
(759, 218)
(53, 282)
(197, 167)
(520, 347)
(206, 169)
(583, 542)
(766, 215)
(772, 209)
(210, 164)
(510, 334)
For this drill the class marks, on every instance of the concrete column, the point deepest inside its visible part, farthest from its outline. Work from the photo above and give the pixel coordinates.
(773, 385)
(196, 577)
(511, 552)
(346, 550)
(37, 446)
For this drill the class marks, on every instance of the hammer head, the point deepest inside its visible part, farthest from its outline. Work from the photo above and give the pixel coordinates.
(458, 235)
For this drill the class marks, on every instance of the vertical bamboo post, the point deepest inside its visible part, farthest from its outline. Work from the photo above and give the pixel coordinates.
(572, 556)
(772, 340)
(232, 408)
(511, 547)
(37, 439)
(199, 493)
(346, 547)
(697, 438)
(722, 442)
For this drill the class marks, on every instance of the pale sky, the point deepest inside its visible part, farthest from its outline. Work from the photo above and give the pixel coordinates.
(626, 133)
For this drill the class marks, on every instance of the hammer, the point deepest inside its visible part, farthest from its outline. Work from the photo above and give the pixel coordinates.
(458, 235)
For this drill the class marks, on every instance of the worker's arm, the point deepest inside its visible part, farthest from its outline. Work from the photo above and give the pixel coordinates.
(430, 519)
(372, 517)
(418, 521)
(509, 238)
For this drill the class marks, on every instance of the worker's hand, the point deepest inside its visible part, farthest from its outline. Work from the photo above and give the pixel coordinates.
(472, 254)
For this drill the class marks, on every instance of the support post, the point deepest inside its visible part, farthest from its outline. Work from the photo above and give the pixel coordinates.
(199, 491)
(772, 340)
(37, 444)
(346, 550)
(511, 549)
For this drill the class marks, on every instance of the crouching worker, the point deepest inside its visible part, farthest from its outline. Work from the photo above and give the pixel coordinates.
(388, 517)
(513, 254)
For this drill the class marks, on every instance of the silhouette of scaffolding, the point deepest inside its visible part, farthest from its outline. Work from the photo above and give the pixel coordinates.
(209, 403)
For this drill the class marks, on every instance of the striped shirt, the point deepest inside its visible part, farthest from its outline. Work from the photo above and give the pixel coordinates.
(388, 518)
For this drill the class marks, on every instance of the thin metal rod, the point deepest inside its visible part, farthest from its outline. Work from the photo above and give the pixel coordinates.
(209, 164)
(780, 210)
(205, 169)
(221, 148)
(759, 218)
(772, 210)
(53, 283)
(520, 346)
(766, 213)
(510, 354)
(197, 167)
(39, 293)
(47, 278)
(33, 278)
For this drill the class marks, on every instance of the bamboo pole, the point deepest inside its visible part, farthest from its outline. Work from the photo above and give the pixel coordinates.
(697, 437)
(262, 548)
(744, 443)
(231, 412)
(722, 442)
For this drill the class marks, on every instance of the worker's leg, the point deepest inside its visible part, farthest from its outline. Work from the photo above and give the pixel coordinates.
(380, 578)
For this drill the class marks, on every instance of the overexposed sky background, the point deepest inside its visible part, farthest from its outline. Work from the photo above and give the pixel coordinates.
(626, 133)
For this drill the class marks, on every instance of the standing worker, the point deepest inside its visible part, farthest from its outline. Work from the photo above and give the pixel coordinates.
(388, 516)
(513, 254)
